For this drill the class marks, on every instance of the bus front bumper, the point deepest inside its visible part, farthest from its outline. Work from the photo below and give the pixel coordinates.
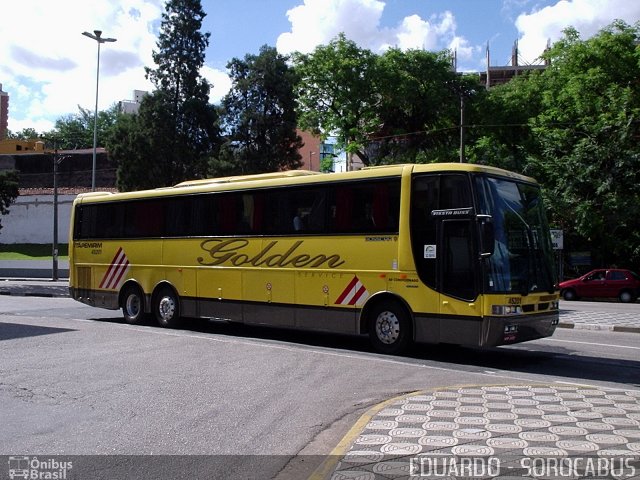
(488, 331)
(517, 328)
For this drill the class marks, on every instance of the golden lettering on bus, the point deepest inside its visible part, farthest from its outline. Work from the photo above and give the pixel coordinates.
(220, 251)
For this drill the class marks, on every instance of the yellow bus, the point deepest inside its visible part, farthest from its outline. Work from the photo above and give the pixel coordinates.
(438, 253)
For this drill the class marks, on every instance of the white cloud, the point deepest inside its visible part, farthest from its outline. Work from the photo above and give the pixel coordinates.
(220, 80)
(49, 68)
(587, 16)
(317, 22)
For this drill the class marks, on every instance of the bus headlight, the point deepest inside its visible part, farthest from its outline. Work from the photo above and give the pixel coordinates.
(506, 309)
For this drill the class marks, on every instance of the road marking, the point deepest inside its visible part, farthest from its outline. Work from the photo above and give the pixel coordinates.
(591, 343)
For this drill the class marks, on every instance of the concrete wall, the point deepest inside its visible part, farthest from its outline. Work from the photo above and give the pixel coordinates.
(30, 219)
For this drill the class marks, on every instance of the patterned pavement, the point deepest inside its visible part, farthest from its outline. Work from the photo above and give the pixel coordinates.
(511, 428)
(600, 320)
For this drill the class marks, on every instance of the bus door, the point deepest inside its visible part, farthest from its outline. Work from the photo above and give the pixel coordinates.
(457, 263)
(443, 232)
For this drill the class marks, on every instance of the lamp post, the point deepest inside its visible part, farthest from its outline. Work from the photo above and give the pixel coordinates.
(97, 36)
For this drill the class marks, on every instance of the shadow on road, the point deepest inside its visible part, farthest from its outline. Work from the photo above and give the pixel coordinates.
(545, 360)
(10, 331)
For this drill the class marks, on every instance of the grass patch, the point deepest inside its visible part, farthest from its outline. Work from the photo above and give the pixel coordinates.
(32, 251)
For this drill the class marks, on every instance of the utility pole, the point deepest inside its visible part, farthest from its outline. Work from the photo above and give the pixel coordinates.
(462, 159)
(56, 161)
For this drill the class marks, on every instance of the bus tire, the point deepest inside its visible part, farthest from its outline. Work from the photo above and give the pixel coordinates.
(166, 307)
(390, 329)
(132, 304)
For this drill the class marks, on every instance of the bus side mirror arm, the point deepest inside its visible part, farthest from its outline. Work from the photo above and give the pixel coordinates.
(487, 235)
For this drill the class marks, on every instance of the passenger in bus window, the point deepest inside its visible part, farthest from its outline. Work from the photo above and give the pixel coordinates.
(298, 222)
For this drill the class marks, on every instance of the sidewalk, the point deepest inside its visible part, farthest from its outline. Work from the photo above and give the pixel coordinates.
(444, 432)
(34, 287)
(36, 269)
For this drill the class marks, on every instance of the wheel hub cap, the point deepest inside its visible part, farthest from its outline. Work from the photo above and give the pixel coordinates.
(387, 328)
(167, 308)
(133, 305)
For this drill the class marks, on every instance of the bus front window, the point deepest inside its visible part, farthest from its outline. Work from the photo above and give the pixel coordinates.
(522, 261)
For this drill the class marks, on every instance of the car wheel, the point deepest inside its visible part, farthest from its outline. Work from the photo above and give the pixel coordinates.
(389, 327)
(166, 307)
(133, 305)
(626, 296)
(569, 295)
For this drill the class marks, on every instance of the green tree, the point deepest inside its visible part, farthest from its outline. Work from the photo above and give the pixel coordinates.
(175, 131)
(76, 130)
(500, 131)
(24, 134)
(8, 190)
(259, 116)
(419, 108)
(587, 133)
(336, 94)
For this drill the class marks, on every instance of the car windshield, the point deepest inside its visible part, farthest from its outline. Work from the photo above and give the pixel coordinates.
(522, 261)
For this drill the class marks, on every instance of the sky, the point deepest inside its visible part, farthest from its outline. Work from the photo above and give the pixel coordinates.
(48, 67)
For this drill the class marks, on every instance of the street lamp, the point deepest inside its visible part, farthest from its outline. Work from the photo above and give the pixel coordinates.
(98, 38)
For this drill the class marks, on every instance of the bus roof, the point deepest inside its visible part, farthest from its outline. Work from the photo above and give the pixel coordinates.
(296, 177)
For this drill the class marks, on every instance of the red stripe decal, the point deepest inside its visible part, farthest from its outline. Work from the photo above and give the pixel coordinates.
(108, 274)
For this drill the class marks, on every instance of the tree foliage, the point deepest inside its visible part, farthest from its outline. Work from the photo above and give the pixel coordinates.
(575, 127)
(400, 106)
(175, 131)
(8, 190)
(500, 130)
(259, 117)
(75, 131)
(24, 134)
(336, 94)
(419, 106)
(587, 134)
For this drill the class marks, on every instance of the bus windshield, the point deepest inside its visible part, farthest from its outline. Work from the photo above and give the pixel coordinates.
(522, 261)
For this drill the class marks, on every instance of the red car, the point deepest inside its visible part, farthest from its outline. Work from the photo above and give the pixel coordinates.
(611, 282)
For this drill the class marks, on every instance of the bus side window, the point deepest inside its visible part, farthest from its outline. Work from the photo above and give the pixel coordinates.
(111, 220)
(344, 209)
(424, 200)
(144, 219)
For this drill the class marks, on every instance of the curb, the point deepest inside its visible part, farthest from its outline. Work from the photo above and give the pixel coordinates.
(598, 327)
(327, 468)
(36, 273)
(36, 291)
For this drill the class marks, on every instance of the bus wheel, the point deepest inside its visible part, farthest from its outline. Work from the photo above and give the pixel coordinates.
(133, 305)
(166, 307)
(389, 327)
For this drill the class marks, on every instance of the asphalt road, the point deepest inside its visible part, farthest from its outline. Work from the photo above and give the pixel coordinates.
(77, 381)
